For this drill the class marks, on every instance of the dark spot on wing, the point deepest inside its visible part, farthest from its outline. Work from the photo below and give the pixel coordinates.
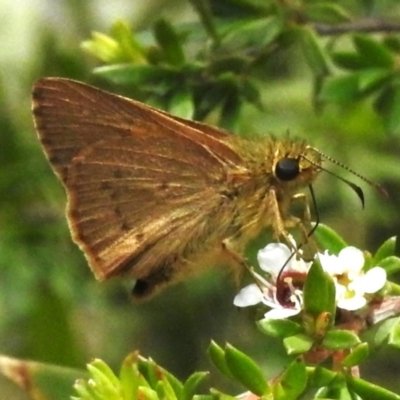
(118, 174)
(163, 186)
(105, 185)
(46, 141)
(125, 226)
(54, 159)
(118, 212)
(144, 287)
(139, 237)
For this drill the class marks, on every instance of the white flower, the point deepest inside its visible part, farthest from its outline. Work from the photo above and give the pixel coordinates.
(351, 282)
(281, 290)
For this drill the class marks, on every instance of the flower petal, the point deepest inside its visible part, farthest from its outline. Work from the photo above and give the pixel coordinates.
(374, 280)
(248, 296)
(329, 263)
(272, 258)
(353, 303)
(351, 259)
(281, 313)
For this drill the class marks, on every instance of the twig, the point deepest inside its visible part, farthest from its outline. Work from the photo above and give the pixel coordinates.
(366, 25)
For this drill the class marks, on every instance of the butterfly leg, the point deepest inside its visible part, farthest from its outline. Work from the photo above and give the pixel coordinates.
(282, 221)
(306, 227)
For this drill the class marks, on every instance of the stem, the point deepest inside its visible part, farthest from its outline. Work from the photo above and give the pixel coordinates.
(365, 25)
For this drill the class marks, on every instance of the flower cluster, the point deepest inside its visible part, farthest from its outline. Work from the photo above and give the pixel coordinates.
(282, 290)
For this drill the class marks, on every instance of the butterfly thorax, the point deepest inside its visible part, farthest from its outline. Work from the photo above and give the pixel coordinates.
(256, 187)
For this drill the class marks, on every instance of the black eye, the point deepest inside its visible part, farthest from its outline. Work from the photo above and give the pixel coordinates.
(287, 169)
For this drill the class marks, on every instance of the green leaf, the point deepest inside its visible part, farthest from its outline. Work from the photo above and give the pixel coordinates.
(217, 395)
(279, 328)
(150, 371)
(297, 344)
(246, 371)
(135, 75)
(390, 264)
(392, 42)
(230, 111)
(229, 9)
(328, 239)
(129, 377)
(146, 393)
(292, 382)
(129, 46)
(247, 33)
(337, 389)
(319, 292)
(181, 104)
(386, 249)
(372, 79)
(320, 376)
(342, 89)
(367, 390)
(166, 391)
(217, 355)
(206, 397)
(252, 94)
(348, 60)
(232, 64)
(388, 105)
(169, 42)
(174, 383)
(208, 99)
(102, 372)
(384, 329)
(203, 8)
(39, 380)
(374, 54)
(103, 47)
(326, 12)
(338, 339)
(357, 356)
(191, 385)
(314, 55)
(394, 335)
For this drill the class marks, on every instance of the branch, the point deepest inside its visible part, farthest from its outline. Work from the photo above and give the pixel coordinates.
(366, 25)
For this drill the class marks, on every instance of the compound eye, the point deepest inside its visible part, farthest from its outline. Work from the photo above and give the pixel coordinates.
(287, 169)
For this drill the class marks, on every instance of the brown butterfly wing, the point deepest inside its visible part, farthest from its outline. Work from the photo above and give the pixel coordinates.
(141, 184)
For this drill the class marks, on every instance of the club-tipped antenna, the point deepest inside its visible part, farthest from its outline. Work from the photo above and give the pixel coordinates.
(358, 190)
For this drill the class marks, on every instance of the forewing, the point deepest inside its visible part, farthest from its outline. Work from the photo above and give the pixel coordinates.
(140, 183)
(69, 116)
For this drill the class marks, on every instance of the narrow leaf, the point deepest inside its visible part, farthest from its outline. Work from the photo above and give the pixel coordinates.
(292, 382)
(192, 383)
(367, 390)
(297, 344)
(313, 52)
(169, 42)
(217, 355)
(246, 371)
(386, 249)
(374, 54)
(338, 339)
(357, 356)
(39, 380)
(328, 239)
(319, 292)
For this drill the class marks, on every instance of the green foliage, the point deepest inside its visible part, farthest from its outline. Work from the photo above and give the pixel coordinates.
(319, 293)
(246, 65)
(139, 378)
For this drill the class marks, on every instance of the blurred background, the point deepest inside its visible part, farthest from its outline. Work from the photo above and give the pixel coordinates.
(51, 307)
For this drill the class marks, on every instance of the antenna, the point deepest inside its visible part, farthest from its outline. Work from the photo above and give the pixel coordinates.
(375, 185)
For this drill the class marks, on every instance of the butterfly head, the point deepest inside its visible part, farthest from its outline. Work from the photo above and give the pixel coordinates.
(296, 164)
